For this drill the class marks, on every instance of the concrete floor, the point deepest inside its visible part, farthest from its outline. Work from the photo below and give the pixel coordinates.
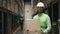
(18, 31)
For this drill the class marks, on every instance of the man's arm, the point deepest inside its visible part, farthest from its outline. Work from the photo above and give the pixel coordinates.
(48, 25)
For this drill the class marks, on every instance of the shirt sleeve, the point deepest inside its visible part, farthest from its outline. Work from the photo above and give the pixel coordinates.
(48, 25)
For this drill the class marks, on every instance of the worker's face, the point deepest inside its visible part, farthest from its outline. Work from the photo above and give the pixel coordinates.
(39, 9)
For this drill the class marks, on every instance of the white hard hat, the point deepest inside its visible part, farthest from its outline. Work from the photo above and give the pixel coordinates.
(40, 4)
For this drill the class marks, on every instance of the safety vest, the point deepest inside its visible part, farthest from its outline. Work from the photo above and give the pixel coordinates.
(42, 19)
(21, 19)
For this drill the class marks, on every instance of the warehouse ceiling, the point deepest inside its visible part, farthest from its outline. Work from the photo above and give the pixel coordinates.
(27, 0)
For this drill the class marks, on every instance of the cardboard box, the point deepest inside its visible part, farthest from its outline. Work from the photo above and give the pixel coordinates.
(32, 32)
(32, 27)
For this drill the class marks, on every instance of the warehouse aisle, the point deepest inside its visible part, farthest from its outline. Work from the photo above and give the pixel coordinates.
(15, 12)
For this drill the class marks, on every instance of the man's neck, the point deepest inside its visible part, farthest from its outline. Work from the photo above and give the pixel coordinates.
(39, 14)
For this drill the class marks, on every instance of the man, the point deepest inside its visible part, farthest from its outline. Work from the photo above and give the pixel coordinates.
(21, 21)
(45, 22)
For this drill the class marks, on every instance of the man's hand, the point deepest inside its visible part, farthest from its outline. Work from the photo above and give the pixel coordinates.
(42, 32)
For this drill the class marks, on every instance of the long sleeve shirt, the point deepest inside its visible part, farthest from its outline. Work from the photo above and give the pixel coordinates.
(48, 25)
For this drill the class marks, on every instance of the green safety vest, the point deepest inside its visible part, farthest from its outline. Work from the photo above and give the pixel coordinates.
(21, 19)
(42, 18)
